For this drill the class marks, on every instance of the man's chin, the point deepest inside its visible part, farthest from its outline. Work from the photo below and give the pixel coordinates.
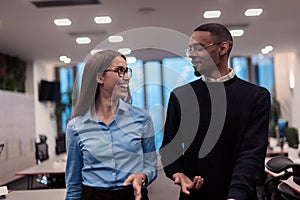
(197, 73)
(197, 69)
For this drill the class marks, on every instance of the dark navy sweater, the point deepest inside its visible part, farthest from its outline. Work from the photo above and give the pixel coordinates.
(232, 118)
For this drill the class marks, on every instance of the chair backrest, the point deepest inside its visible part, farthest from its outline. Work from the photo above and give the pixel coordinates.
(286, 168)
(60, 145)
(41, 149)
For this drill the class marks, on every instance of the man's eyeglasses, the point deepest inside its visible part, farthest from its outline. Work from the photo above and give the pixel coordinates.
(197, 47)
(121, 71)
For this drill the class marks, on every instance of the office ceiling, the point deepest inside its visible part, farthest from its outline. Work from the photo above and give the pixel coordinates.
(28, 31)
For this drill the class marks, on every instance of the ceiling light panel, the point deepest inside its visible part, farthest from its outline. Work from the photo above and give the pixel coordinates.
(115, 38)
(62, 58)
(103, 20)
(92, 52)
(62, 22)
(65, 59)
(264, 51)
(253, 12)
(124, 51)
(212, 14)
(269, 48)
(237, 32)
(131, 60)
(68, 60)
(83, 40)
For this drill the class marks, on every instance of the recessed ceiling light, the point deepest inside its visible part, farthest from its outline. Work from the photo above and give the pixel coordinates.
(124, 51)
(264, 51)
(253, 12)
(67, 61)
(83, 40)
(103, 20)
(269, 48)
(95, 51)
(62, 58)
(212, 14)
(62, 22)
(131, 60)
(237, 33)
(115, 38)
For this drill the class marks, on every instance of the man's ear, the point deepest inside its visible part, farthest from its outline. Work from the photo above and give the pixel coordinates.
(99, 79)
(223, 48)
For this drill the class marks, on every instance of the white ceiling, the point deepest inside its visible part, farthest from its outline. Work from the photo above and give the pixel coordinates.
(29, 33)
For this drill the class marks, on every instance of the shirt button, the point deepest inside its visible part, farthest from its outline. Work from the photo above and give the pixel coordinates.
(113, 174)
(110, 145)
(112, 160)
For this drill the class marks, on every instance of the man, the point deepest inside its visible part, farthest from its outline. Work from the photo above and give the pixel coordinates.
(216, 130)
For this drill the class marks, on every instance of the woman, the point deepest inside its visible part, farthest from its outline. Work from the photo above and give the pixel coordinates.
(111, 153)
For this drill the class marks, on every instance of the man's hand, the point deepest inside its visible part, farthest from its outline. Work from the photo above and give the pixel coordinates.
(186, 184)
(137, 181)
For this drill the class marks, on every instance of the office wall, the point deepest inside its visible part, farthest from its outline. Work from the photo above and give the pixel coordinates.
(287, 67)
(22, 119)
(44, 123)
(17, 132)
(296, 93)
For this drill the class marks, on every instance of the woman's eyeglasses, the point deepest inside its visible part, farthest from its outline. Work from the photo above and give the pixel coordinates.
(121, 71)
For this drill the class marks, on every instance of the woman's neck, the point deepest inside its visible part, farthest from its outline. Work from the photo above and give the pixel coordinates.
(106, 108)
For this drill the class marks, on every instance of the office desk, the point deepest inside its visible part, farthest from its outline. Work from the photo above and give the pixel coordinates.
(49, 194)
(56, 165)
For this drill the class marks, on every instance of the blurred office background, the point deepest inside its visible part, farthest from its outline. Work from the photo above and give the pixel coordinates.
(40, 59)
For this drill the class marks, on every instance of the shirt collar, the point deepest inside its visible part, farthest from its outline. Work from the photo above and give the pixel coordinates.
(89, 114)
(224, 78)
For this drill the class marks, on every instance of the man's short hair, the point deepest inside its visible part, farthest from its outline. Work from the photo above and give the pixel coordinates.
(219, 32)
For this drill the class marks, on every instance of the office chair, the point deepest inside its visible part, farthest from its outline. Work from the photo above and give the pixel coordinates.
(41, 149)
(41, 154)
(60, 144)
(286, 168)
(50, 180)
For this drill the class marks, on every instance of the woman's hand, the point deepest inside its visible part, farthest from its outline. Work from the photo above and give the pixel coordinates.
(137, 180)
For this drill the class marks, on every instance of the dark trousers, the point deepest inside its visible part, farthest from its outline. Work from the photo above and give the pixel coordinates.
(91, 193)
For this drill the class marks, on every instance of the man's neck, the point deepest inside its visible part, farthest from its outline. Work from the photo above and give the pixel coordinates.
(219, 73)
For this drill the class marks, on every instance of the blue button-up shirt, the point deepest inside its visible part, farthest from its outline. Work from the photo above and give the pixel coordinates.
(103, 156)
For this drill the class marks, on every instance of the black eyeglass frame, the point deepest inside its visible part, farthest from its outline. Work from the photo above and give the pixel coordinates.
(121, 71)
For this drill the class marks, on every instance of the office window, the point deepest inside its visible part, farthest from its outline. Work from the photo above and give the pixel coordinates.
(263, 71)
(176, 72)
(136, 84)
(66, 87)
(257, 69)
(153, 88)
(152, 83)
(240, 67)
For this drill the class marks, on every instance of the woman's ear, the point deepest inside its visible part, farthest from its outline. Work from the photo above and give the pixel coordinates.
(99, 79)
